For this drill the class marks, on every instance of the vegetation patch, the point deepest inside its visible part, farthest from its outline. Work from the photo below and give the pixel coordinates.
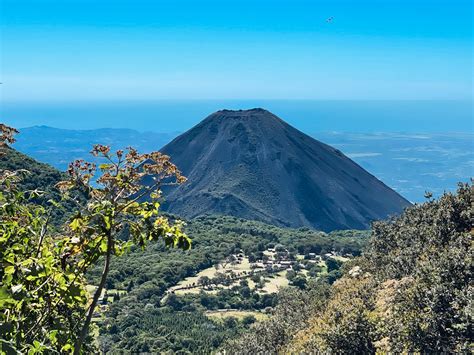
(411, 292)
(240, 315)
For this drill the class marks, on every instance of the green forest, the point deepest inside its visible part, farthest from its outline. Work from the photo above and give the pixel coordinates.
(89, 266)
(146, 275)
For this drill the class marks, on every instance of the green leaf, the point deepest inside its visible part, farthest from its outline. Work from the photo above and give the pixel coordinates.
(66, 347)
(76, 224)
(107, 222)
(9, 270)
(4, 294)
(103, 245)
(53, 337)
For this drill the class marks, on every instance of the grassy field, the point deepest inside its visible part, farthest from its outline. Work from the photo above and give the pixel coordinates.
(324, 267)
(113, 291)
(340, 258)
(210, 272)
(275, 283)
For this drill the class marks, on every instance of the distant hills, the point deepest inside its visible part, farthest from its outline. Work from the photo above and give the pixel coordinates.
(253, 165)
(59, 147)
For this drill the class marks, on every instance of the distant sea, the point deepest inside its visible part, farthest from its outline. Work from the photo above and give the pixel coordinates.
(307, 115)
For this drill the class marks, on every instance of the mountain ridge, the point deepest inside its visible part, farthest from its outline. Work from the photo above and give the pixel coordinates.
(252, 164)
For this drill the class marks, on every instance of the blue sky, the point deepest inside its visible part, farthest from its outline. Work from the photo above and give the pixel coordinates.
(152, 49)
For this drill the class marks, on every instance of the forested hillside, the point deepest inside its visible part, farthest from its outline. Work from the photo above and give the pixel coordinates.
(410, 292)
(140, 319)
(40, 176)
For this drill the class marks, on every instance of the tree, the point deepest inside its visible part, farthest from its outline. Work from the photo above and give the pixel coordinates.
(204, 281)
(230, 322)
(280, 248)
(314, 269)
(42, 293)
(221, 279)
(333, 264)
(299, 281)
(230, 259)
(245, 291)
(117, 205)
(249, 319)
(255, 278)
(174, 302)
(290, 275)
(252, 257)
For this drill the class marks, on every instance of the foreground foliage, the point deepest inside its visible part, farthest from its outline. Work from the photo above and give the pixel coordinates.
(42, 295)
(411, 292)
(43, 300)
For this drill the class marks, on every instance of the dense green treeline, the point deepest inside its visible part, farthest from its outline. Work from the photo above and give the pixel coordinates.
(165, 329)
(40, 177)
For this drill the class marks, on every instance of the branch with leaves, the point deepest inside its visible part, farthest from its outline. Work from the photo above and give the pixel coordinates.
(41, 298)
(118, 202)
(44, 305)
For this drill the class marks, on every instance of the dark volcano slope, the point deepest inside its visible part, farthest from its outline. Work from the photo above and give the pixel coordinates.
(253, 165)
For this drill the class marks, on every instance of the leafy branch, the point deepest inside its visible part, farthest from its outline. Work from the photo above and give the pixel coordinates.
(43, 299)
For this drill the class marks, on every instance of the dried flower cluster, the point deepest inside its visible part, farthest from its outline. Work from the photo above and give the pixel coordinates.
(122, 175)
(7, 134)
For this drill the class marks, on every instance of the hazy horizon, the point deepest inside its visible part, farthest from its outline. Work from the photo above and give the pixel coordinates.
(307, 115)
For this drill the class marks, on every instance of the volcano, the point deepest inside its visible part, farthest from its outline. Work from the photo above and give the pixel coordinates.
(251, 164)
